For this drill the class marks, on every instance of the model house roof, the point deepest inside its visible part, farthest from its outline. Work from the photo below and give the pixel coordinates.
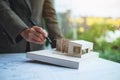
(83, 43)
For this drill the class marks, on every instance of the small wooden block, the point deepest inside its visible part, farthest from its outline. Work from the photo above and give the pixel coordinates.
(54, 57)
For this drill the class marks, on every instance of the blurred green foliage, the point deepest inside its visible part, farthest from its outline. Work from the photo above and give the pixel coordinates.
(107, 50)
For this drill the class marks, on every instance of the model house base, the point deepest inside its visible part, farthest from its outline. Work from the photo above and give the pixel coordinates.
(67, 53)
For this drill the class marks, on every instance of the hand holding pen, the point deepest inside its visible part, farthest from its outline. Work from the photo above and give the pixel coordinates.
(35, 34)
(35, 24)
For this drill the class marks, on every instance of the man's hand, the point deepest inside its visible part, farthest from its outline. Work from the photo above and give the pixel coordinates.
(35, 34)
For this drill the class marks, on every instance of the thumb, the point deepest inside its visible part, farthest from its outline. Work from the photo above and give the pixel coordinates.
(45, 33)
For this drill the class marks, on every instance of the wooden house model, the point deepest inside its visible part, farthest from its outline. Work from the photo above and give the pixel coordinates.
(73, 47)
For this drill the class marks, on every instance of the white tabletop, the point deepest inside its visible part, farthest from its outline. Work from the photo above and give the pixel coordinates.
(18, 67)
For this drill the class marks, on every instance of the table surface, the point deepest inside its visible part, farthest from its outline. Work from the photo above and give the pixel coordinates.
(18, 67)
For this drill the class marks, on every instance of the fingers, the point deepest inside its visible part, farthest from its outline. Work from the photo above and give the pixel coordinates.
(36, 37)
(46, 34)
(37, 42)
(35, 34)
(40, 30)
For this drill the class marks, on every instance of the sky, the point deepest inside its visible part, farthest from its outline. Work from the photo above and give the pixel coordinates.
(102, 8)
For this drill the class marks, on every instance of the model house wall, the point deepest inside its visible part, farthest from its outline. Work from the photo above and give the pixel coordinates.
(74, 47)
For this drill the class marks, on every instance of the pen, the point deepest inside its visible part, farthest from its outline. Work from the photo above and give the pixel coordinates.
(48, 39)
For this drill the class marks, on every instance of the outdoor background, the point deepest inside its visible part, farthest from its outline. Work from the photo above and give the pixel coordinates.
(97, 21)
